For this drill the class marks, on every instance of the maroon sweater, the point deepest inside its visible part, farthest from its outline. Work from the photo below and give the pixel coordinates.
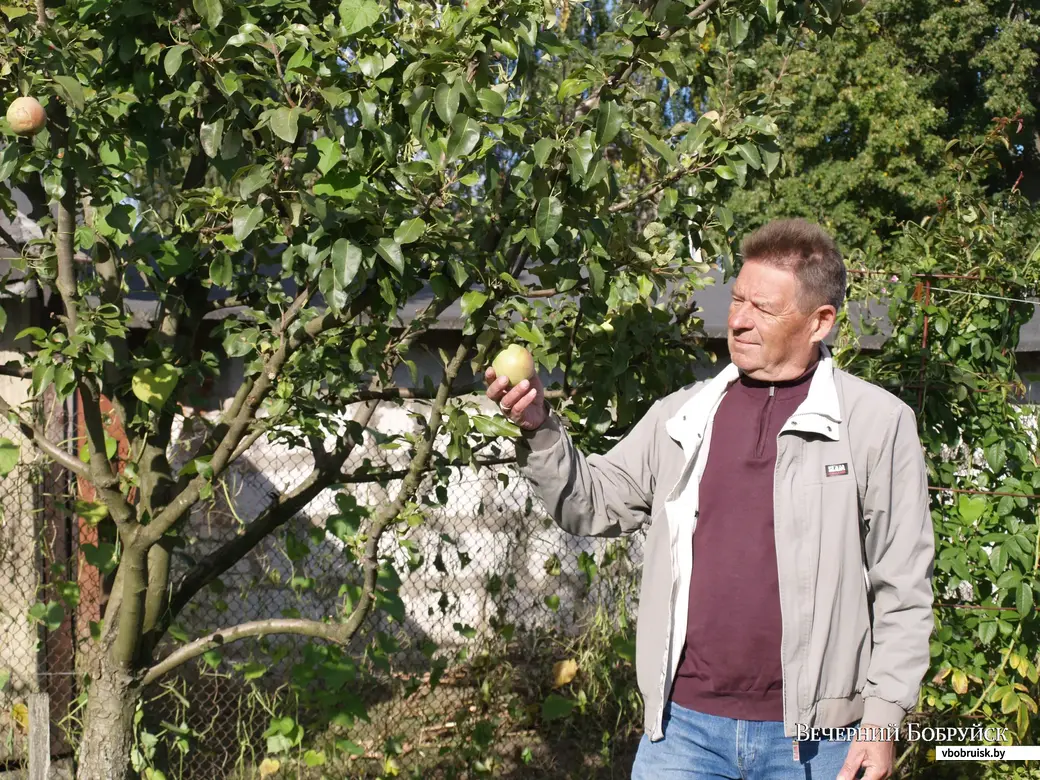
(730, 665)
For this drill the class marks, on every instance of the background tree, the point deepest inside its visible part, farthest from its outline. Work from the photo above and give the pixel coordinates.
(312, 166)
(872, 111)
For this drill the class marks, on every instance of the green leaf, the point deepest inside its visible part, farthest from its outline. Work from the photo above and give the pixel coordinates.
(174, 56)
(252, 670)
(154, 387)
(542, 149)
(548, 217)
(555, 707)
(102, 556)
(314, 758)
(472, 301)
(3, 320)
(660, 146)
(495, 426)
(9, 454)
(582, 152)
(72, 91)
(220, 270)
(571, 87)
(446, 102)
(608, 124)
(356, 15)
(770, 7)
(750, 154)
(12, 13)
(91, 511)
(491, 101)
(350, 748)
(285, 122)
(211, 135)
(410, 231)
(346, 260)
(725, 172)
(5, 677)
(996, 456)
(329, 152)
(987, 631)
(1024, 599)
(210, 11)
(51, 615)
(390, 251)
(465, 135)
(245, 220)
(213, 658)
(10, 161)
(970, 508)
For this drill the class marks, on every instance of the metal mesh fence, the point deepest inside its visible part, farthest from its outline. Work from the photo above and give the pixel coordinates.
(451, 679)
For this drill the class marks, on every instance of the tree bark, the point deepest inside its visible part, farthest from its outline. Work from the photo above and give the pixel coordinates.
(108, 731)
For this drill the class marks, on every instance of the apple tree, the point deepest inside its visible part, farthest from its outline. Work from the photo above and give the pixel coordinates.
(310, 167)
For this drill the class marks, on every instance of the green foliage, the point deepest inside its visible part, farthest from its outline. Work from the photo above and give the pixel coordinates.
(870, 112)
(952, 358)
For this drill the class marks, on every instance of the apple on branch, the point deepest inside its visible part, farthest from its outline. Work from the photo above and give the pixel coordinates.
(26, 116)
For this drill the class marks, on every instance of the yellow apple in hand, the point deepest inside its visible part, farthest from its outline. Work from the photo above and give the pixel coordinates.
(26, 116)
(514, 362)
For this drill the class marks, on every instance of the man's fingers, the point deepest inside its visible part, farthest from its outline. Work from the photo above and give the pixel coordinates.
(853, 762)
(521, 406)
(497, 389)
(513, 397)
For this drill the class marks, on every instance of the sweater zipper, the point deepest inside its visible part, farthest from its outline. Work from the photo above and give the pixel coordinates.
(763, 422)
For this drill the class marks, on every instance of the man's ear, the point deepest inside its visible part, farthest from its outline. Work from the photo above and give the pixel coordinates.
(823, 320)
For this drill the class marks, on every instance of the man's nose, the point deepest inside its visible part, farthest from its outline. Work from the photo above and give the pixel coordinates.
(739, 319)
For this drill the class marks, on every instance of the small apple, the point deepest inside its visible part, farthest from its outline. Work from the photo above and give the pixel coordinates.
(26, 116)
(514, 362)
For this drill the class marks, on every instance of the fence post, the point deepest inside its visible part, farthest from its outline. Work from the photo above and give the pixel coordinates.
(39, 736)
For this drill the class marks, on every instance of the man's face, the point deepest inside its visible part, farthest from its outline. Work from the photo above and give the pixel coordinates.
(770, 338)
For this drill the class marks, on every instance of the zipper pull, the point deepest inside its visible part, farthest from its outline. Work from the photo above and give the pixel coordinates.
(772, 389)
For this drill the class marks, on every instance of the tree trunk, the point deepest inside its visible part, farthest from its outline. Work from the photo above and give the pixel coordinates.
(108, 734)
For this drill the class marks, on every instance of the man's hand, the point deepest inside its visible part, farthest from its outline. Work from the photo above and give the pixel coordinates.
(877, 759)
(523, 404)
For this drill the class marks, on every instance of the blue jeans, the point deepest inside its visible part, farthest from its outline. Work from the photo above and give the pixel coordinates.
(707, 747)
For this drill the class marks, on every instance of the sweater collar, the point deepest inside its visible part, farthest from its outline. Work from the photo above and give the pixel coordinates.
(820, 412)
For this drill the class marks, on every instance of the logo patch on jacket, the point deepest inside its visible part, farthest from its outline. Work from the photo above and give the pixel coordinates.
(837, 469)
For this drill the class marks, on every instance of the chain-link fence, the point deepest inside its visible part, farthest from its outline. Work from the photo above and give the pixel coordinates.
(447, 678)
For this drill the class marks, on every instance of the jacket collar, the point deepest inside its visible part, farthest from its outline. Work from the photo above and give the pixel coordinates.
(820, 412)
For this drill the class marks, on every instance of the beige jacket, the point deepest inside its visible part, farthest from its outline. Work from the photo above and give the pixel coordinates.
(854, 539)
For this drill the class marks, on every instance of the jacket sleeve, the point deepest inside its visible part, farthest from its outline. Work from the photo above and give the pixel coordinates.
(597, 495)
(900, 553)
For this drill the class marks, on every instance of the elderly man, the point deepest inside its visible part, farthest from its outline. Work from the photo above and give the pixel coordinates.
(786, 602)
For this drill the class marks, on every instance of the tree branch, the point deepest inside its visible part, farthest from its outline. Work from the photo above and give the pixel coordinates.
(654, 189)
(65, 246)
(331, 632)
(384, 475)
(19, 372)
(417, 467)
(17, 246)
(279, 512)
(37, 436)
(104, 479)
